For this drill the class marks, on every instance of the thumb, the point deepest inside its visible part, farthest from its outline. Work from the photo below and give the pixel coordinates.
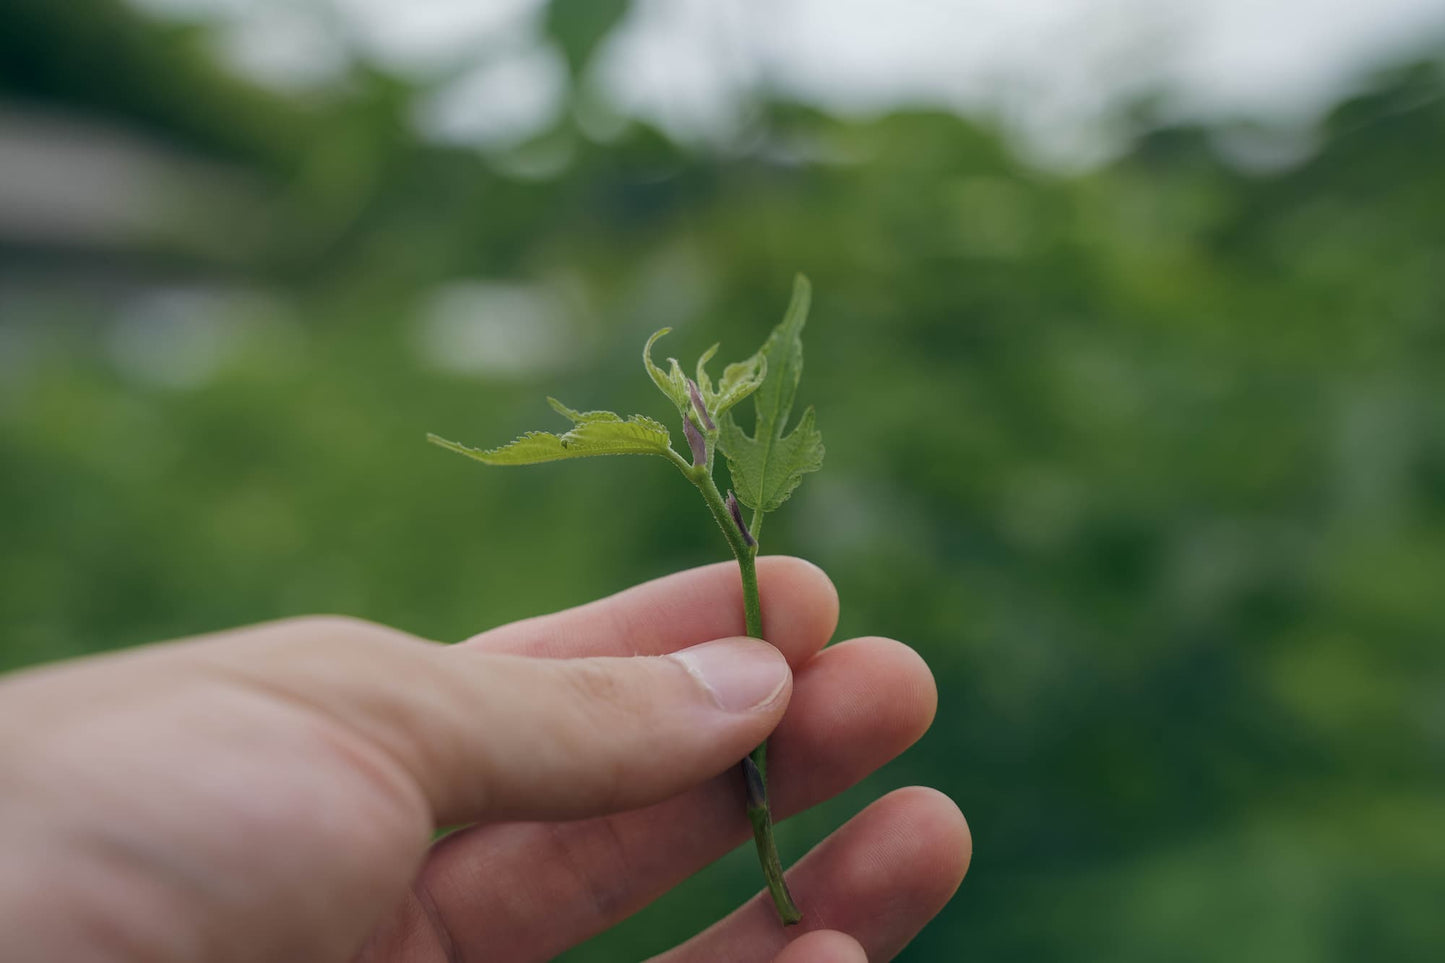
(491, 737)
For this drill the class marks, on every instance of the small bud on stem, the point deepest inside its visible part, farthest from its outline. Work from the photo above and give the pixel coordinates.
(702, 414)
(736, 511)
(757, 789)
(695, 442)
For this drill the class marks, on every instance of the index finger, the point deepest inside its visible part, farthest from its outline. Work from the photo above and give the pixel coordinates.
(799, 603)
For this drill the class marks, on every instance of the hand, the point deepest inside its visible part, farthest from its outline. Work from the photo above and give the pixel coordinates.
(271, 793)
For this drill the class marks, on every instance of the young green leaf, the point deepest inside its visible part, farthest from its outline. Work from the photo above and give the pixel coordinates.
(739, 380)
(671, 382)
(766, 470)
(592, 433)
(767, 467)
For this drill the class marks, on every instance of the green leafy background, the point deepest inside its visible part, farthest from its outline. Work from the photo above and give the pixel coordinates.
(1148, 462)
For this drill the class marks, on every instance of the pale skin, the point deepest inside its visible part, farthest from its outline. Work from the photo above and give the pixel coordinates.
(271, 793)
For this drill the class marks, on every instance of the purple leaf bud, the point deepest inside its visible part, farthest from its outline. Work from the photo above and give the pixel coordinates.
(753, 779)
(737, 512)
(695, 442)
(701, 408)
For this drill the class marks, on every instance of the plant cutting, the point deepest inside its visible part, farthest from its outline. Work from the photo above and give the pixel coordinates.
(765, 467)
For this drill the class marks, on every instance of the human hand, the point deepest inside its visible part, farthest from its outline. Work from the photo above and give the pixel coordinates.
(271, 793)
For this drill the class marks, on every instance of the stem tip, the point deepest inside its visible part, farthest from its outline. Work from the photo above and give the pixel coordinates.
(707, 421)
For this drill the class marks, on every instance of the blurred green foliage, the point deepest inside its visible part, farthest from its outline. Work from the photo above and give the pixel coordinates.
(1148, 462)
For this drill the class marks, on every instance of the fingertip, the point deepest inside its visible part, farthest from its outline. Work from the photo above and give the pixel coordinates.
(739, 674)
(799, 602)
(880, 878)
(940, 835)
(878, 689)
(897, 676)
(916, 680)
(823, 946)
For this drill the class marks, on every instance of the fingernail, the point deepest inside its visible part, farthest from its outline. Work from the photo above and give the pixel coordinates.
(739, 674)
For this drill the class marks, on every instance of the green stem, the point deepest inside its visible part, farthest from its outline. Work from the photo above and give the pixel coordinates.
(755, 767)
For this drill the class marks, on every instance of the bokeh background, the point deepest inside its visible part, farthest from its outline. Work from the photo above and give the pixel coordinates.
(1128, 347)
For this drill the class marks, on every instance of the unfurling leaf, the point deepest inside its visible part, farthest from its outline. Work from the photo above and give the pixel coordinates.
(592, 433)
(767, 467)
(739, 380)
(671, 382)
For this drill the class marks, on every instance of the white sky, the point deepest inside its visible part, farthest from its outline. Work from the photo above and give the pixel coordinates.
(1047, 68)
